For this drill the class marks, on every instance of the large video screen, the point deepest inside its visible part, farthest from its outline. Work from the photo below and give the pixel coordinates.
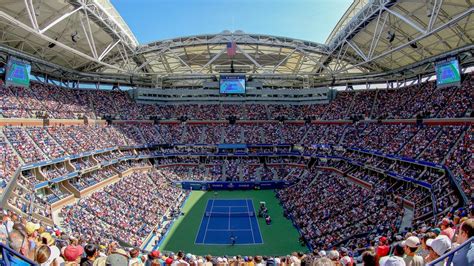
(232, 84)
(447, 73)
(17, 72)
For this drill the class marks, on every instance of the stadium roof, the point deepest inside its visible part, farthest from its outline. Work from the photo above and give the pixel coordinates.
(373, 38)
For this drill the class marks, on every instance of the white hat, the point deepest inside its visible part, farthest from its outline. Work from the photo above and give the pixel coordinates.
(392, 261)
(412, 242)
(346, 260)
(440, 244)
(333, 255)
(322, 253)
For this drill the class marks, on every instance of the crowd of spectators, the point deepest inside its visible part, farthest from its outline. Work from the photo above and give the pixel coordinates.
(125, 211)
(426, 100)
(328, 209)
(311, 202)
(47, 245)
(431, 143)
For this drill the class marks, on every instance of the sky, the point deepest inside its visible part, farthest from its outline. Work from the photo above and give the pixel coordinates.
(152, 20)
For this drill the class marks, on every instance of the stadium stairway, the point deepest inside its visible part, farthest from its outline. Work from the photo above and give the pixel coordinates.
(374, 104)
(206, 173)
(438, 134)
(342, 137)
(407, 219)
(184, 132)
(258, 175)
(9, 144)
(241, 172)
(453, 147)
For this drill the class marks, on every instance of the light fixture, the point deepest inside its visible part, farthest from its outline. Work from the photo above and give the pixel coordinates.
(74, 37)
(413, 44)
(52, 44)
(390, 36)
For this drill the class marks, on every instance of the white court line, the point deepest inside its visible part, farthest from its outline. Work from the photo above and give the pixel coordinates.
(207, 224)
(223, 244)
(258, 225)
(250, 220)
(225, 230)
(228, 224)
(199, 228)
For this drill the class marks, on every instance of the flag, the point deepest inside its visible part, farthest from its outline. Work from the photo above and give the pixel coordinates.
(231, 49)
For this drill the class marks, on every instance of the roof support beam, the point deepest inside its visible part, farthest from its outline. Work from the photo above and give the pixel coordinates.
(181, 60)
(214, 58)
(89, 40)
(284, 59)
(454, 20)
(152, 58)
(30, 8)
(434, 13)
(249, 57)
(316, 61)
(99, 14)
(357, 50)
(61, 18)
(27, 28)
(406, 20)
(378, 31)
(91, 34)
(108, 49)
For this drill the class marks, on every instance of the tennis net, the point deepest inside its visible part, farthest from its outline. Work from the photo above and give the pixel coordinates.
(229, 214)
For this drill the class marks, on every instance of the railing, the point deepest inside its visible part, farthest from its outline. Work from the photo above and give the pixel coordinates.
(449, 256)
(11, 257)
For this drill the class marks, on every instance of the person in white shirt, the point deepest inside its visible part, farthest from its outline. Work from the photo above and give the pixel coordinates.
(180, 260)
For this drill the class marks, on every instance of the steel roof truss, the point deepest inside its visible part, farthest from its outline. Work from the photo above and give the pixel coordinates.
(32, 14)
(61, 18)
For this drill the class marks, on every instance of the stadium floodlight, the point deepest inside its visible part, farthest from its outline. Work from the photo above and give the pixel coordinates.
(390, 36)
(412, 45)
(74, 37)
(52, 44)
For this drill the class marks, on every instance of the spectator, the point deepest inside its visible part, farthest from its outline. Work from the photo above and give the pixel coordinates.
(72, 254)
(465, 256)
(369, 258)
(411, 245)
(346, 260)
(19, 242)
(92, 252)
(437, 248)
(208, 260)
(333, 255)
(118, 257)
(153, 256)
(446, 228)
(43, 254)
(135, 260)
(383, 248)
(54, 257)
(323, 262)
(396, 259)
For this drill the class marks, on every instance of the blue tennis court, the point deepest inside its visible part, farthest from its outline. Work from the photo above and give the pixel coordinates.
(227, 219)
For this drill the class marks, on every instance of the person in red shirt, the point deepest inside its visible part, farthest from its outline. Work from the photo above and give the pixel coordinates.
(383, 249)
